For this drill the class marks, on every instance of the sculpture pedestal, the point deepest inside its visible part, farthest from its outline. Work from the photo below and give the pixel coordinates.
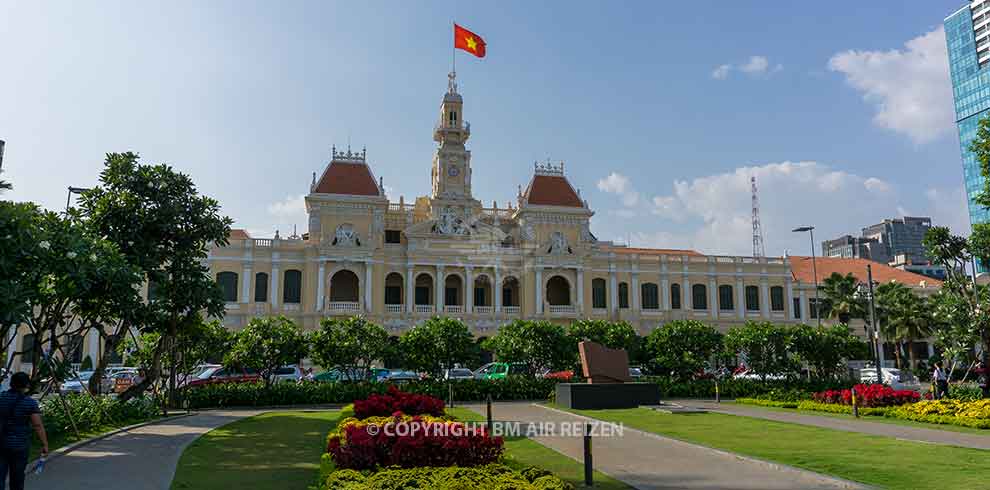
(588, 396)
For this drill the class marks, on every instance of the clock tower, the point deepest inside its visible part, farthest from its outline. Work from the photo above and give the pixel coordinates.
(451, 173)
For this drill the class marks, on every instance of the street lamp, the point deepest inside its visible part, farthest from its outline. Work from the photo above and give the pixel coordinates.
(867, 291)
(814, 269)
(73, 190)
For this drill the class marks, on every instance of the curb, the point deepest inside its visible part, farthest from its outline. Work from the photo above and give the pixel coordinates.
(62, 451)
(840, 482)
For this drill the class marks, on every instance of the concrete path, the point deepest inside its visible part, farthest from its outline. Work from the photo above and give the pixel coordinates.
(140, 459)
(648, 461)
(864, 425)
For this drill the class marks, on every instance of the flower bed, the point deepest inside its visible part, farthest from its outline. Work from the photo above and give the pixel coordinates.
(443, 478)
(768, 403)
(397, 401)
(874, 395)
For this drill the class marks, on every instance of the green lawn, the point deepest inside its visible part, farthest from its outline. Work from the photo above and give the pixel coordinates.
(881, 420)
(521, 452)
(277, 450)
(880, 461)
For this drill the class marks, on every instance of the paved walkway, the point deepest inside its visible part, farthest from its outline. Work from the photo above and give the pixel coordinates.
(919, 434)
(141, 459)
(648, 461)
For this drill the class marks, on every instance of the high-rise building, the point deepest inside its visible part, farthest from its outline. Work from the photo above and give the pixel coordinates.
(897, 242)
(849, 247)
(967, 35)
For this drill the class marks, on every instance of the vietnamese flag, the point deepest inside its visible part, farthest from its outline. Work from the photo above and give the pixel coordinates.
(469, 41)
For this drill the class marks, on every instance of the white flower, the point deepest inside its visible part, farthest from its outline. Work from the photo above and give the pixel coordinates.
(71, 255)
(45, 245)
(92, 257)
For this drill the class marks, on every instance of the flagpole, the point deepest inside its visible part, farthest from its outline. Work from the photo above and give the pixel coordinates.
(453, 53)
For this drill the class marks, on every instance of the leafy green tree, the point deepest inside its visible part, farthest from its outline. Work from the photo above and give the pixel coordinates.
(164, 227)
(952, 331)
(437, 344)
(615, 335)
(266, 344)
(841, 300)
(683, 347)
(540, 344)
(904, 317)
(826, 349)
(349, 344)
(766, 347)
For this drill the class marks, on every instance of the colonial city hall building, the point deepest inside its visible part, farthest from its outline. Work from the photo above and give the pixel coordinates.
(399, 263)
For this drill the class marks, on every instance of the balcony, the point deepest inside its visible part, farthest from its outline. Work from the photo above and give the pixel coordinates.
(424, 309)
(453, 309)
(561, 309)
(343, 306)
(510, 310)
(291, 307)
(394, 308)
(483, 310)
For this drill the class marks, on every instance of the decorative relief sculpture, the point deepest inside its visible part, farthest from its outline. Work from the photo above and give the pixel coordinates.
(449, 223)
(345, 236)
(558, 244)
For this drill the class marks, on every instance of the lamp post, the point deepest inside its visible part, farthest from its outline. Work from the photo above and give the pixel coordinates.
(872, 329)
(68, 196)
(814, 269)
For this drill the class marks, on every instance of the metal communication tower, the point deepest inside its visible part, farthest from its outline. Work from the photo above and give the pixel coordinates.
(759, 250)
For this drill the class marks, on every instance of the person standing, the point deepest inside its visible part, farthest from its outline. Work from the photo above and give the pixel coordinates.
(941, 379)
(18, 414)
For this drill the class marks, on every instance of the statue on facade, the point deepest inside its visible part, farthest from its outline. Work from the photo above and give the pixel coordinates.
(449, 223)
(345, 236)
(558, 244)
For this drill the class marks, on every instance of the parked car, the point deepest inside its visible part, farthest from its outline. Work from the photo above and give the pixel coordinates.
(288, 373)
(635, 373)
(76, 384)
(120, 381)
(458, 373)
(351, 375)
(182, 379)
(402, 376)
(747, 374)
(499, 370)
(893, 377)
(219, 375)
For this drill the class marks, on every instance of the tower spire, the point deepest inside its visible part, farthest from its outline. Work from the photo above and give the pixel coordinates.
(759, 250)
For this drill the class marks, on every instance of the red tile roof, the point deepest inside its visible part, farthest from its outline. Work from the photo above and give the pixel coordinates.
(552, 190)
(238, 234)
(347, 178)
(802, 270)
(653, 251)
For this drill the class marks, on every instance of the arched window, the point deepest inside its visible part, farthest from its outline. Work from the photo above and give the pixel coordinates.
(598, 296)
(424, 289)
(699, 297)
(558, 291)
(228, 283)
(725, 300)
(752, 298)
(777, 298)
(510, 292)
(650, 296)
(482, 291)
(344, 286)
(292, 290)
(675, 296)
(452, 290)
(260, 287)
(393, 289)
(623, 295)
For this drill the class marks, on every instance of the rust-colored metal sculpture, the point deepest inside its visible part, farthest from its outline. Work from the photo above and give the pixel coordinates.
(601, 365)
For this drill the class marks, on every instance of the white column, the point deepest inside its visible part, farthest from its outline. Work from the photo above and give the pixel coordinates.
(410, 289)
(805, 310)
(438, 289)
(319, 287)
(469, 290)
(740, 298)
(764, 298)
(246, 283)
(498, 290)
(634, 292)
(368, 287)
(713, 297)
(579, 272)
(94, 345)
(664, 293)
(687, 295)
(538, 291)
(273, 287)
(613, 290)
(790, 298)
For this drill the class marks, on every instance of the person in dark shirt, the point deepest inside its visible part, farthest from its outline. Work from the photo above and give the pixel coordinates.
(18, 414)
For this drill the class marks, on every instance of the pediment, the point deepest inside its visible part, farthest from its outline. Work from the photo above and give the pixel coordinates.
(470, 230)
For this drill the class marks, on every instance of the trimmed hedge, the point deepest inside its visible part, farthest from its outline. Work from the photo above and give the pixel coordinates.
(737, 388)
(767, 403)
(259, 395)
(445, 478)
(975, 414)
(91, 413)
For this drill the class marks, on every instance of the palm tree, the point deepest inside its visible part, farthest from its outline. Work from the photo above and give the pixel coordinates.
(841, 300)
(904, 318)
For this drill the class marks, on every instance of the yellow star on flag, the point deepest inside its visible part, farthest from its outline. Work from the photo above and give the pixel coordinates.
(472, 44)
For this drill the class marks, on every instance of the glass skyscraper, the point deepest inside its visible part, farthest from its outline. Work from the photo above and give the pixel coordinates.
(967, 35)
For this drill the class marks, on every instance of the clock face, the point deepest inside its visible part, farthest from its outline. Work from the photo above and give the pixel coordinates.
(453, 171)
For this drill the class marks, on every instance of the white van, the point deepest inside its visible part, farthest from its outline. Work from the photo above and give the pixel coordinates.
(892, 377)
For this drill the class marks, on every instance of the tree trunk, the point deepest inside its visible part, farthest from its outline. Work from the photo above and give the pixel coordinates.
(910, 351)
(897, 354)
(153, 373)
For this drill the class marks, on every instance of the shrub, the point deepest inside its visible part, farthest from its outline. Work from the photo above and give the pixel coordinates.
(449, 478)
(768, 403)
(92, 413)
(398, 401)
(846, 409)
(874, 395)
(735, 388)
(683, 347)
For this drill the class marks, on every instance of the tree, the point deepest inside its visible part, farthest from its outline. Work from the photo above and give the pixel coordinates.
(765, 346)
(841, 300)
(437, 344)
(615, 335)
(683, 347)
(952, 331)
(349, 344)
(826, 349)
(956, 253)
(538, 343)
(161, 224)
(267, 344)
(904, 317)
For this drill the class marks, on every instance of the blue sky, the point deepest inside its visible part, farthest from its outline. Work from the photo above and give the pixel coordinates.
(661, 110)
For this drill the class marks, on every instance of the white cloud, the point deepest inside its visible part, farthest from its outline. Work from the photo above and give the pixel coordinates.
(755, 66)
(909, 88)
(721, 72)
(949, 207)
(290, 207)
(874, 184)
(616, 183)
